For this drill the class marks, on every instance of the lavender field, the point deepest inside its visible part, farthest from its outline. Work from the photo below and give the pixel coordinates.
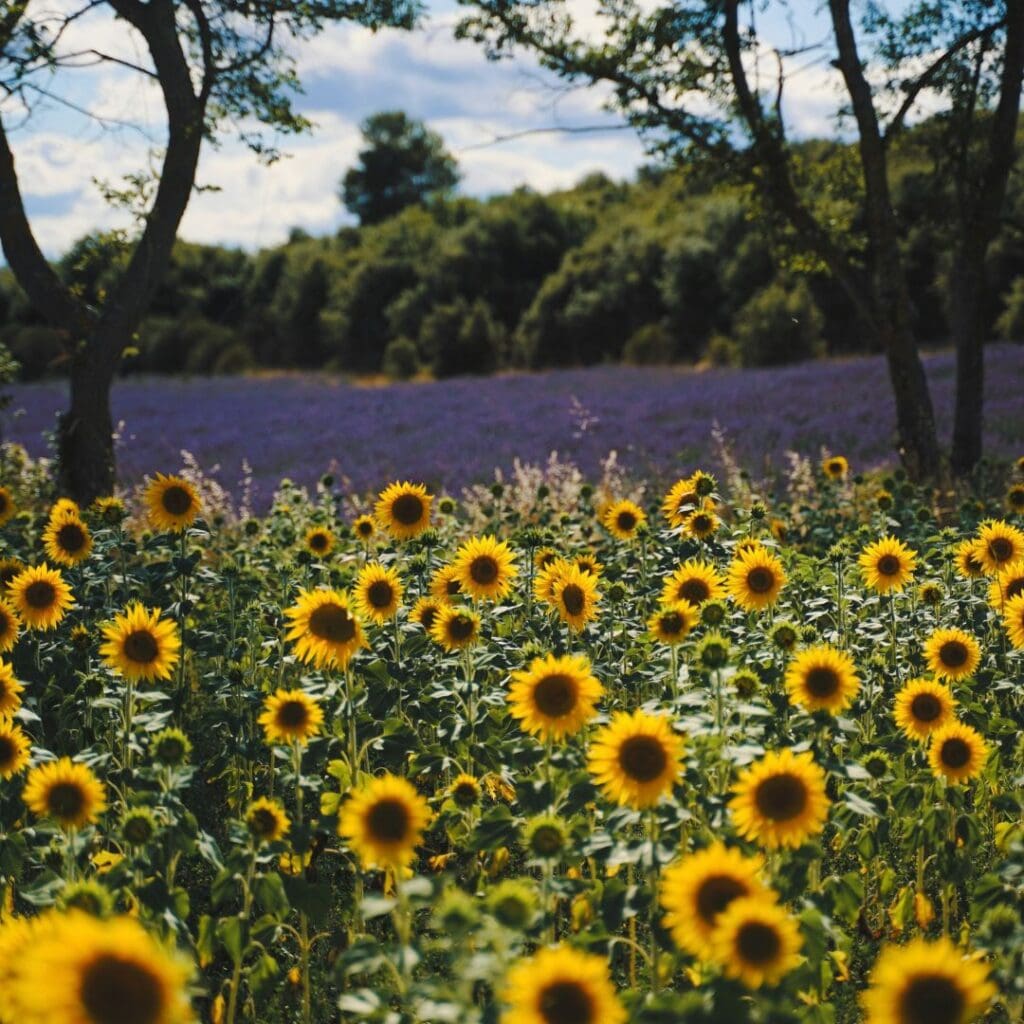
(456, 432)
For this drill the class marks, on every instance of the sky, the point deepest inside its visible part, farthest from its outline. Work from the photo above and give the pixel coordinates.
(348, 73)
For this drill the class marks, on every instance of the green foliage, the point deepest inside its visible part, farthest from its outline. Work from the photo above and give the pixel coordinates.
(778, 325)
(403, 164)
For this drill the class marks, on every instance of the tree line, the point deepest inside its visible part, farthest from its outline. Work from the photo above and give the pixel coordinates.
(674, 266)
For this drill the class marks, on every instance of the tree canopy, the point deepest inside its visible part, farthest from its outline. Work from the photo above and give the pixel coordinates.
(402, 164)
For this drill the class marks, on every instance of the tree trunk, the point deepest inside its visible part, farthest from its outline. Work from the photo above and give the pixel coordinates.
(85, 435)
(966, 323)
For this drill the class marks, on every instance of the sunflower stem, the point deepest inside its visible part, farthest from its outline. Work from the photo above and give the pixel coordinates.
(653, 820)
(236, 973)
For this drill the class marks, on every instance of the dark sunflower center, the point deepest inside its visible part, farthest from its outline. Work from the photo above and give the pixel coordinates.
(822, 682)
(138, 830)
(388, 821)
(7, 751)
(781, 797)
(5, 624)
(760, 580)
(931, 999)
(574, 599)
(955, 753)
(427, 617)
(40, 594)
(65, 800)
(1015, 587)
(332, 622)
(380, 594)
(483, 569)
(120, 991)
(141, 646)
(835, 468)
(715, 894)
(625, 521)
(700, 522)
(758, 943)
(555, 695)
(1016, 497)
(460, 627)
(696, 591)
(642, 758)
(926, 707)
(318, 541)
(176, 500)
(262, 822)
(292, 714)
(672, 623)
(953, 653)
(465, 794)
(71, 538)
(1000, 549)
(3, 504)
(453, 587)
(365, 529)
(566, 1002)
(888, 565)
(547, 840)
(407, 509)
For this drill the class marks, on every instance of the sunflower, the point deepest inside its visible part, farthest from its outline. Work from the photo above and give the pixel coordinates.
(291, 716)
(548, 578)
(66, 791)
(703, 522)
(756, 941)
(835, 468)
(384, 821)
(324, 628)
(695, 581)
(780, 800)
(319, 541)
(576, 597)
(779, 530)
(561, 985)
(267, 820)
(40, 596)
(79, 969)
(696, 889)
(10, 626)
(926, 983)
(756, 578)
(588, 563)
(966, 560)
(445, 585)
(425, 610)
(109, 508)
(887, 564)
(67, 540)
(623, 518)
(952, 653)
(1015, 498)
(14, 749)
(364, 528)
(1008, 583)
(485, 568)
(543, 557)
(10, 691)
(1013, 620)
(403, 509)
(555, 697)
(465, 791)
(455, 628)
(923, 706)
(681, 500)
(172, 503)
(378, 592)
(998, 544)
(140, 645)
(7, 506)
(9, 568)
(957, 752)
(636, 758)
(672, 622)
(822, 678)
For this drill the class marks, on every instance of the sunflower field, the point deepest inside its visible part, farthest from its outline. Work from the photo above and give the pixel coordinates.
(579, 754)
